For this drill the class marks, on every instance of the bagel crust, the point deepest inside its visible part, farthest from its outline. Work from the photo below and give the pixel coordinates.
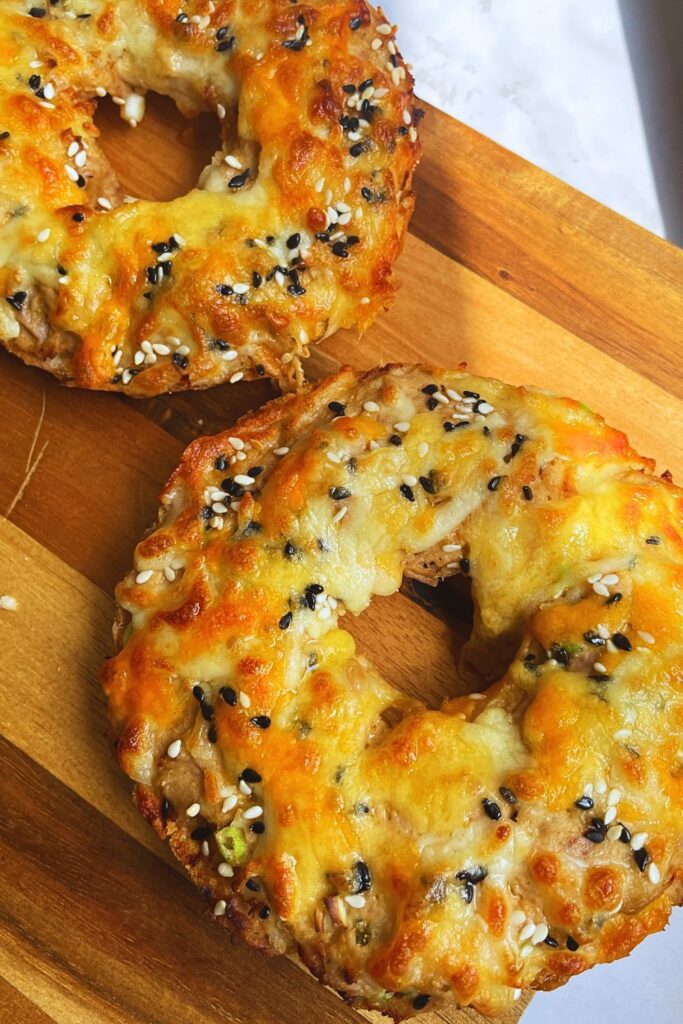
(414, 857)
(291, 232)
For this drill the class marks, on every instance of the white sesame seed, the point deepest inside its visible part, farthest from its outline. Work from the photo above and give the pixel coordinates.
(73, 149)
(184, 350)
(594, 578)
(100, 90)
(407, 117)
(81, 158)
(118, 356)
(610, 579)
(384, 29)
(244, 699)
(216, 522)
(43, 235)
(220, 908)
(72, 173)
(517, 917)
(338, 516)
(451, 547)
(599, 667)
(540, 934)
(403, 426)
(371, 406)
(240, 288)
(365, 301)
(439, 397)
(412, 134)
(253, 812)
(225, 870)
(64, 279)
(527, 931)
(193, 810)
(279, 277)
(49, 91)
(609, 815)
(354, 136)
(391, 46)
(380, 93)
(245, 788)
(647, 638)
(145, 575)
(332, 215)
(165, 257)
(613, 797)
(324, 613)
(281, 451)
(169, 574)
(411, 481)
(303, 336)
(638, 840)
(601, 590)
(319, 185)
(422, 449)
(376, 43)
(236, 376)
(219, 508)
(244, 481)
(229, 803)
(601, 787)
(347, 185)
(395, 77)
(356, 900)
(653, 873)
(343, 208)
(602, 631)
(237, 443)
(161, 350)
(614, 832)
(178, 239)
(221, 111)
(621, 734)
(173, 748)
(232, 161)
(8, 603)
(126, 377)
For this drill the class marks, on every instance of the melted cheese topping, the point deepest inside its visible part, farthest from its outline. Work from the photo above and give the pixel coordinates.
(291, 232)
(415, 856)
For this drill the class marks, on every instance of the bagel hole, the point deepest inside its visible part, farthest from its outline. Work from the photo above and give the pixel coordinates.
(415, 638)
(167, 151)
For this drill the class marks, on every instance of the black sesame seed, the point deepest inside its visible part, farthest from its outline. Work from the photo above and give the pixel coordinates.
(428, 484)
(430, 389)
(475, 876)
(17, 300)
(34, 82)
(653, 540)
(339, 249)
(641, 857)
(207, 711)
(3, 136)
(80, 182)
(550, 941)
(584, 803)
(349, 88)
(152, 274)
(260, 721)
(395, 440)
(572, 944)
(507, 795)
(286, 621)
(228, 695)
(352, 240)
(355, 24)
(78, 217)
(614, 598)
(206, 512)
(239, 179)
(401, 130)
(161, 247)
(201, 833)
(367, 193)
(254, 471)
(226, 44)
(253, 885)
(356, 149)
(625, 836)
(365, 84)
(252, 527)
(492, 809)
(339, 493)
(264, 913)
(600, 678)
(494, 482)
(471, 394)
(591, 637)
(296, 289)
(182, 362)
(37, 12)
(407, 492)
(465, 565)
(198, 693)
(621, 642)
(289, 550)
(362, 877)
(527, 492)
(256, 279)
(221, 463)
(260, 369)
(165, 808)
(212, 734)
(310, 594)
(448, 426)
(432, 404)
(595, 835)
(293, 240)
(250, 775)
(257, 827)
(419, 1002)
(467, 891)
(337, 408)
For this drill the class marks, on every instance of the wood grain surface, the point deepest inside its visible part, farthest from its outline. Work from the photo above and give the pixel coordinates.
(506, 268)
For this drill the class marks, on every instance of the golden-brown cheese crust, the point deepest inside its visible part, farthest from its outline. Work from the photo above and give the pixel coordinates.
(415, 857)
(291, 232)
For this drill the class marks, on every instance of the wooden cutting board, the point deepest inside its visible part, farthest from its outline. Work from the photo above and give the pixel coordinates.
(506, 268)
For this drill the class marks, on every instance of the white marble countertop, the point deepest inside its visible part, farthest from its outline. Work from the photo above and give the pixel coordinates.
(552, 81)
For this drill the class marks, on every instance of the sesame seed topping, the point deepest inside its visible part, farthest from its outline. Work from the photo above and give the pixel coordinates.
(193, 810)
(403, 426)
(144, 576)
(174, 748)
(638, 840)
(253, 812)
(220, 908)
(653, 873)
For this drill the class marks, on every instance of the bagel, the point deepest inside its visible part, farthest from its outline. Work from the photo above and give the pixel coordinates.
(414, 857)
(291, 232)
